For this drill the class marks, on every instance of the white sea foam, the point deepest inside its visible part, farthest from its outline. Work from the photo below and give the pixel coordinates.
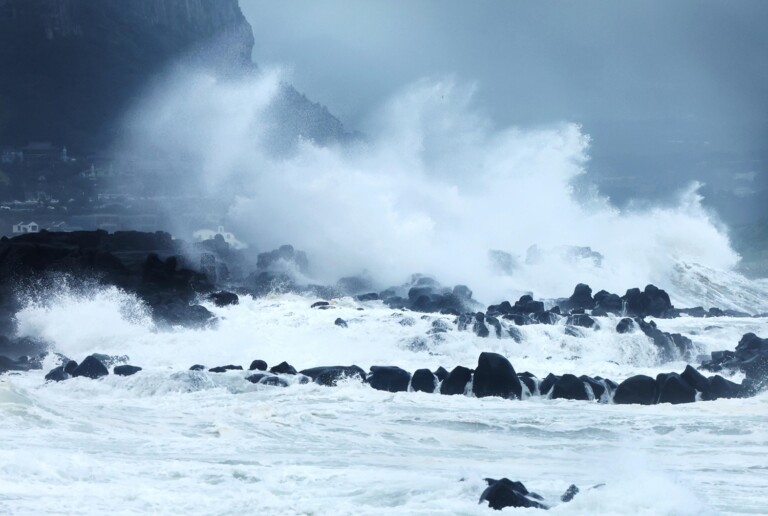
(172, 440)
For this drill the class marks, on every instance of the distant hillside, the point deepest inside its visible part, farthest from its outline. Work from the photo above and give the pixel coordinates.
(70, 68)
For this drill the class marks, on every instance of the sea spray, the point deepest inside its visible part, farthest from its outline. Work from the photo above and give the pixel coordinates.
(432, 187)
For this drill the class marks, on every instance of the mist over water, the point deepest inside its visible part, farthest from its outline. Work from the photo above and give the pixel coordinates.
(431, 188)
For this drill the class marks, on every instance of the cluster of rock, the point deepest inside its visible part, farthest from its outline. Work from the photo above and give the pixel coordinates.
(504, 493)
(494, 375)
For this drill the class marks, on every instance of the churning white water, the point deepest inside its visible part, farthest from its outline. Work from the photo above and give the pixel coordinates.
(169, 440)
(432, 188)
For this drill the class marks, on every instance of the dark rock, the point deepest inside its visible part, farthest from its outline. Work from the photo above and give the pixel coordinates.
(652, 302)
(501, 309)
(529, 380)
(57, 374)
(181, 314)
(479, 327)
(224, 298)
(722, 388)
(495, 376)
(506, 493)
(224, 369)
(373, 296)
(526, 305)
(331, 375)
(274, 381)
(672, 388)
(696, 380)
(126, 370)
(696, 311)
(90, 368)
(583, 321)
(70, 366)
(569, 387)
(197, 367)
(283, 368)
(515, 334)
(574, 332)
(282, 259)
(340, 322)
(582, 297)
(625, 325)
(424, 381)
(639, 389)
(441, 373)
(548, 317)
(609, 303)
(569, 493)
(518, 319)
(258, 365)
(389, 378)
(598, 387)
(457, 381)
(320, 304)
(547, 384)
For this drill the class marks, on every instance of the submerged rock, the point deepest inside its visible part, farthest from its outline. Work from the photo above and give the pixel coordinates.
(224, 369)
(57, 374)
(126, 370)
(331, 375)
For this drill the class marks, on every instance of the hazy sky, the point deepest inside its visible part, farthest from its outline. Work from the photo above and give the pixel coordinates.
(670, 91)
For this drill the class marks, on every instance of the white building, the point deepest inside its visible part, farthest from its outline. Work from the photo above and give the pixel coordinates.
(202, 235)
(20, 228)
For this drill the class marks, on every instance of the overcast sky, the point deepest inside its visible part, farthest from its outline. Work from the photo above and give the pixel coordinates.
(670, 91)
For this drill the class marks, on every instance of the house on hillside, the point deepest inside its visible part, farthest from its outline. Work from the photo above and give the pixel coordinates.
(21, 228)
(201, 235)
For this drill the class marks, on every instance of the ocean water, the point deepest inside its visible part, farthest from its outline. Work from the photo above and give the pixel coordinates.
(168, 440)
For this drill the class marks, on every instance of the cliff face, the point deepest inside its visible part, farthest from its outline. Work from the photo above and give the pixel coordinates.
(70, 68)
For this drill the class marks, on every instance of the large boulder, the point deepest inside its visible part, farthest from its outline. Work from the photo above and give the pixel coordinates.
(652, 302)
(569, 387)
(608, 303)
(546, 385)
(672, 388)
(90, 368)
(495, 376)
(424, 381)
(625, 325)
(581, 297)
(283, 368)
(639, 390)
(457, 381)
(331, 375)
(389, 378)
(722, 388)
(258, 365)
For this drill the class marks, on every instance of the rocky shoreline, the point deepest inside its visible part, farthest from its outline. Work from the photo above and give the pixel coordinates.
(173, 277)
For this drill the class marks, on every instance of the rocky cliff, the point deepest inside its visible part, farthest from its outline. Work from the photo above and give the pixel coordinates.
(69, 68)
